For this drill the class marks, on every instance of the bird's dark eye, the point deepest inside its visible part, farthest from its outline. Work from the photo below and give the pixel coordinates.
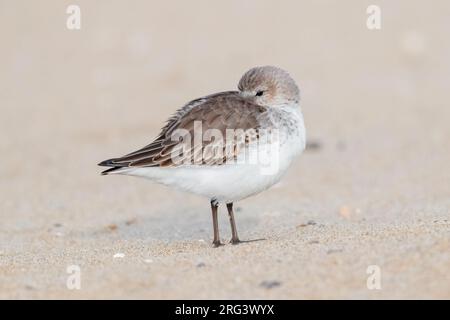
(259, 93)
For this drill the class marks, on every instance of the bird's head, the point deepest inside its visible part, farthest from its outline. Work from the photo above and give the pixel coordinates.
(269, 86)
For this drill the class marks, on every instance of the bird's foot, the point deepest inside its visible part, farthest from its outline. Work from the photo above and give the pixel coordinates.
(217, 244)
(235, 241)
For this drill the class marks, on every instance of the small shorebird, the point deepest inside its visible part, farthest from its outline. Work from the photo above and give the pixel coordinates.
(267, 133)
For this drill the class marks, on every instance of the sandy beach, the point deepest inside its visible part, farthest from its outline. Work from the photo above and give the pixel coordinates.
(372, 188)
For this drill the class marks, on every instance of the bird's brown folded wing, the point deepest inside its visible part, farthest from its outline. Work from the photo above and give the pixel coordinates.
(179, 142)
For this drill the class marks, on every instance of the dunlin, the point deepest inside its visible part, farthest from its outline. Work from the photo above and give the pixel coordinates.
(226, 146)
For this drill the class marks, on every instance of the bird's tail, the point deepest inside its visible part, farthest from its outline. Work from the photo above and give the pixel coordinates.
(114, 167)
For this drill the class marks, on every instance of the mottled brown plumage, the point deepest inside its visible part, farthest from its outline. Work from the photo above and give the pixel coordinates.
(221, 111)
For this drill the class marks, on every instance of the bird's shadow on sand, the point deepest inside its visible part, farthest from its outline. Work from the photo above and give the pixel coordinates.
(173, 226)
(251, 240)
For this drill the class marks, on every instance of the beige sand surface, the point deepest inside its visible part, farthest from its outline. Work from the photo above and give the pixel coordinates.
(374, 191)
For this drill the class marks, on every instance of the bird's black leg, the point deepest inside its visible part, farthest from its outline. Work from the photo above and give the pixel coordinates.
(234, 234)
(214, 206)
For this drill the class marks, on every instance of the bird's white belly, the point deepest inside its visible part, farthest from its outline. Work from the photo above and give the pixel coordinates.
(229, 182)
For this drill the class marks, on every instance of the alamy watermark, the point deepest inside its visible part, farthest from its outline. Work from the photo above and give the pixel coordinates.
(254, 147)
(374, 278)
(73, 21)
(74, 279)
(373, 21)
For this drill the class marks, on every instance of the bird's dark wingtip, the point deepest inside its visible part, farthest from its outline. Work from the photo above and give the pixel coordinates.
(107, 171)
(107, 163)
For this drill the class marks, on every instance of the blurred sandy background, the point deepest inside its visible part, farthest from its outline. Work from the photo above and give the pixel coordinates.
(374, 188)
